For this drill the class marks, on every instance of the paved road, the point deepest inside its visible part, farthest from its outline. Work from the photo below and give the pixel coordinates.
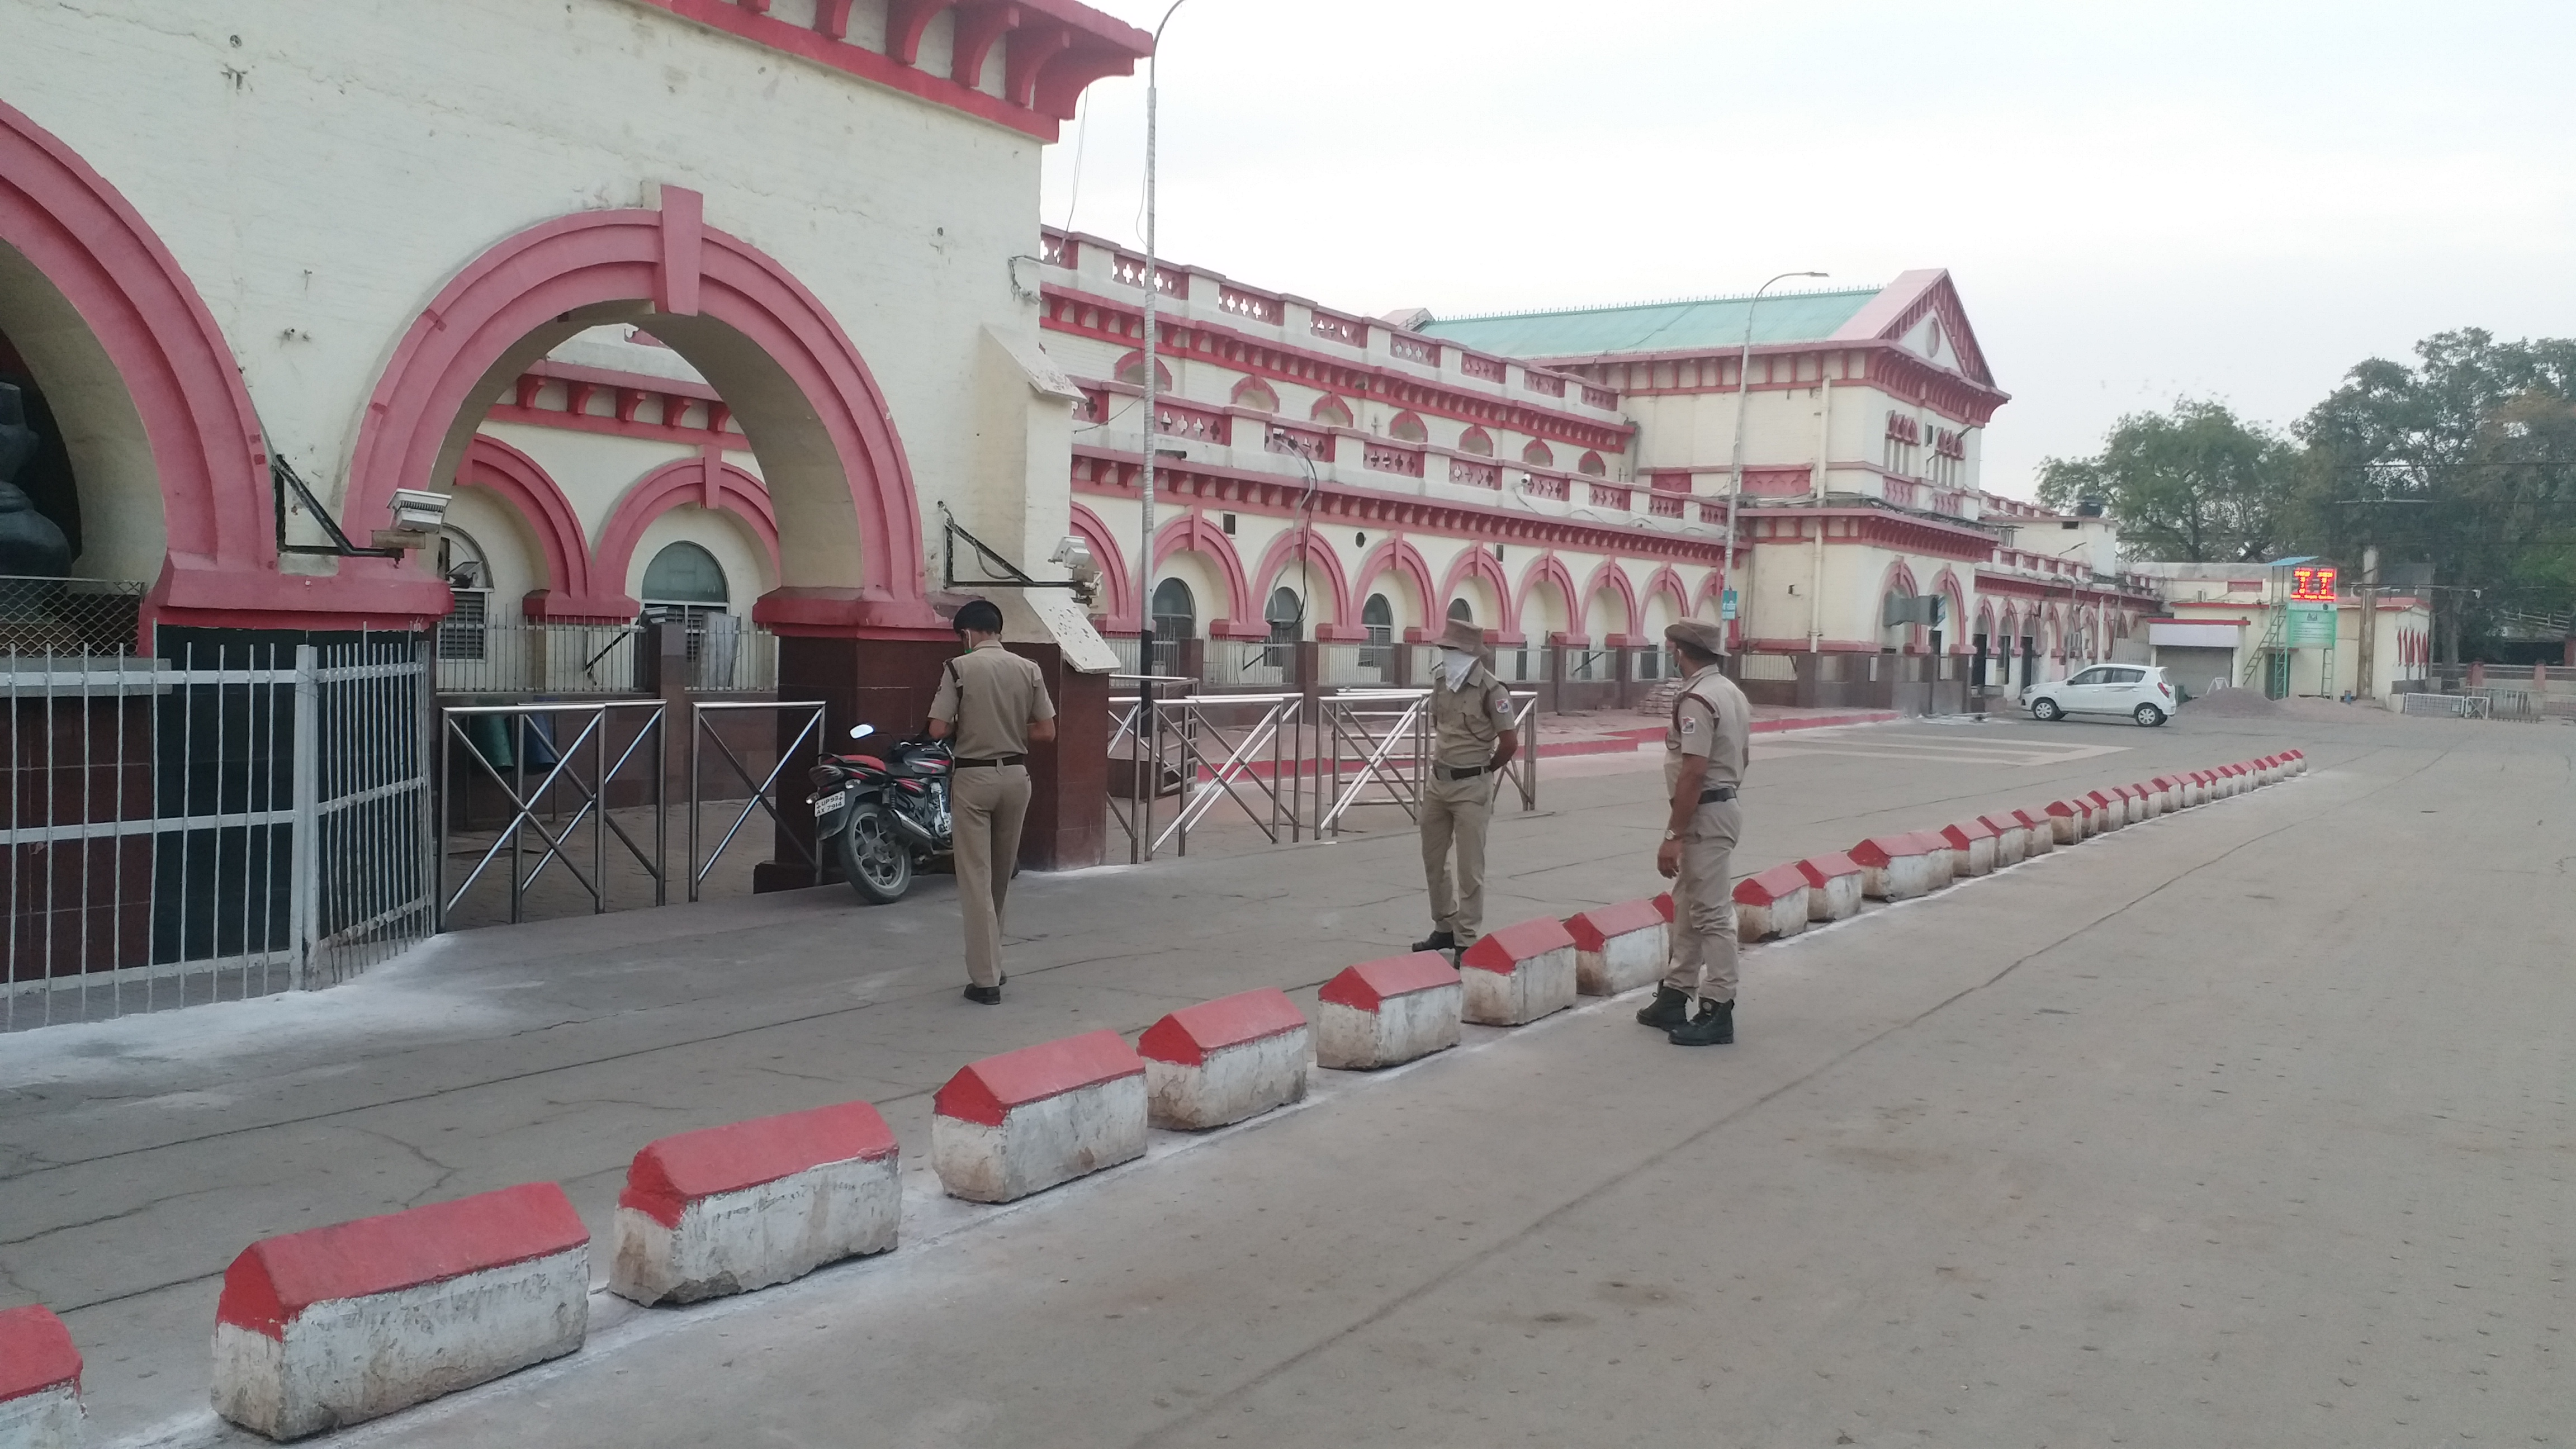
(2247, 1126)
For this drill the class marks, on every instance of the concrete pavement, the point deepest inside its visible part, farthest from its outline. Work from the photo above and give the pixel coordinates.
(2210, 1105)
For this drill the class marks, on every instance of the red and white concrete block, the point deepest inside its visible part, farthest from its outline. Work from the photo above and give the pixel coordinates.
(1975, 849)
(2195, 787)
(1771, 903)
(2070, 820)
(2039, 832)
(2142, 802)
(1619, 948)
(1898, 867)
(40, 1373)
(2298, 761)
(2012, 838)
(1024, 1121)
(1945, 859)
(744, 1206)
(2168, 790)
(338, 1325)
(2113, 805)
(1834, 884)
(1389, 1012)
(1518, 974)
(1224, 1060)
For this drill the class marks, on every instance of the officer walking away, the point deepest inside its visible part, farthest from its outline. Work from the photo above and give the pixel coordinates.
(1472, 740)
(1703, 768)
(991, 705)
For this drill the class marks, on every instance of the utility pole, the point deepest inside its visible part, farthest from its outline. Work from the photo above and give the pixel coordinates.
(1735, 478)
(1153, 291)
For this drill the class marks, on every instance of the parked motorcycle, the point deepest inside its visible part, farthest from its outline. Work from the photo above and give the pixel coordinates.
(882, 815)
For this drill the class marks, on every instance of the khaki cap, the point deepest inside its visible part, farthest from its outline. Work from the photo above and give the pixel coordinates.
(1462, 634)
(1707, 638)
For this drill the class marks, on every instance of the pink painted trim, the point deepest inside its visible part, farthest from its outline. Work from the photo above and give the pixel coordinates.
(86, 239)
(1477, 561)
(590, 258)
(1664, 580)
(1123, 590)
(1551, 569)
(1396, 556)
(1194, 532)
(524, 486)
(1279, 560)
(707, 481)
(1617, 577)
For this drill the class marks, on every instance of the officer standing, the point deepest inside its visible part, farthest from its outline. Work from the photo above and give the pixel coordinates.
(1704, 749)
(991, 705)
(1472, 740)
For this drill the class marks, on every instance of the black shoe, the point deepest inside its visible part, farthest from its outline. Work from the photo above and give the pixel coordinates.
(984, 995)
(1438, 941)
(1669, 1009)
(1714, 1026)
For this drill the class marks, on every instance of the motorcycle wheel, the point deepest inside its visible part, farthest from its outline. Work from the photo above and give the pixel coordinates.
(876, 863)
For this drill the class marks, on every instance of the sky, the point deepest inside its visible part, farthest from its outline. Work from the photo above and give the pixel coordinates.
(2138, 203)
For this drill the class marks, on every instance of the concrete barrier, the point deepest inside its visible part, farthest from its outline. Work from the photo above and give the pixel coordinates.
(40, 1371)
(1518, 974)
(1974, 847)
(1896, 867)
(740, 1207)
(1833, 886)
(2168, 790)
(1945, 861)
(1224, 1060)
(2069, 820)
(1771, 903)
(1024, 1121)
(338, 1325)
(2114, 807)
(2298, 762)
(2151, 797)
(2012, 838)
(1618, 948)
(2196, 787)
(1385, 1013)
(2039, 832)
(2139, 805)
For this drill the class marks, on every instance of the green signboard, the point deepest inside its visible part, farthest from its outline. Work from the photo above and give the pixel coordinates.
(2312, 626)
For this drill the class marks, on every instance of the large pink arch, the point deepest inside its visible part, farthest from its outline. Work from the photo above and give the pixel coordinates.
(1550, 568)
(1396, 556)
(1280, 558)
(508, 305)
(1617, 579)
(87, 241)
(707, 481)
(521, 482)
(1119, 607)
(1193, 533)
(1475, 561)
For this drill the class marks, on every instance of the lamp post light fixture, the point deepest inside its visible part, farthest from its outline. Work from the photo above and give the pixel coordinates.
(1735, 476)
(1153, 290)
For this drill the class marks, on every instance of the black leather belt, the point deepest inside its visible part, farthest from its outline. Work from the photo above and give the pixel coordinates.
(1715, 793)
(995, 763)
(1457, 772)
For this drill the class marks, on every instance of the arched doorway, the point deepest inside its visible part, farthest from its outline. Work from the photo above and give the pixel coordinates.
(1377, 620)
(1176, 619)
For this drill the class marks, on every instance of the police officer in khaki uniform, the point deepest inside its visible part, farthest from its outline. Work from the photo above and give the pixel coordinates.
(991, 705)
(1472, 740)
(1704, 749)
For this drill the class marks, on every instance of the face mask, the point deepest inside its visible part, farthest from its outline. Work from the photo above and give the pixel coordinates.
(1455, 663)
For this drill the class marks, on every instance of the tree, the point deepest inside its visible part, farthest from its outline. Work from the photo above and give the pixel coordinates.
(2193, 485)
(2465, 461)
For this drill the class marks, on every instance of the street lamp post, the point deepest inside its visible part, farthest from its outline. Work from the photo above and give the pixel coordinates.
(1735, 477)
(1153, 290)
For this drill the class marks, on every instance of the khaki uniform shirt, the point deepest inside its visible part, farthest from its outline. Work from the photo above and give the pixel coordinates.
(1711, 717)
(988, 695)
(1465, 723)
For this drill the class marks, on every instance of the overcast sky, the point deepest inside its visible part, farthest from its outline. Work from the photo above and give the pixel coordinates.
(2137, 202)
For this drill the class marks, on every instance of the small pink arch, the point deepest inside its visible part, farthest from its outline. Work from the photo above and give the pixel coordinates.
(1477, 561)
(521, 482)
(1331, 411)
(1121, 612)
(1947, 585)
(1280, 560)
(855, 527)
(1192, 532)
(1609, 574)
(1551, 569)
(1406, 562)
(1135, 361)
(1665, 581)
(707, 481)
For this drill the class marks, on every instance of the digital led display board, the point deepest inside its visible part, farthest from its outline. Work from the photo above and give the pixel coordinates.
(2309, 582)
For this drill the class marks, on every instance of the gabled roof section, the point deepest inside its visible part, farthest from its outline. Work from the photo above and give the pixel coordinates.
(1921, 312)
(1657, 326)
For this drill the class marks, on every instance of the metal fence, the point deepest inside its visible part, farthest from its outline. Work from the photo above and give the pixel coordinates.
(2455, 705)
(235, 821)
(1234, 664)
(766, 791)
(68, 618)
(478, 658)
(558, 767)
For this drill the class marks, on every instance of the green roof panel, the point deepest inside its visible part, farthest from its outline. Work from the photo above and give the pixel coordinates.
(1656, 326)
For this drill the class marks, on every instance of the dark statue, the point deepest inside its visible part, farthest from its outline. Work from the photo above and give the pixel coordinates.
(31, 545)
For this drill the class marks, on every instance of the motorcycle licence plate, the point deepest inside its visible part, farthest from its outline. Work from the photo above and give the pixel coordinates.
(830, 803)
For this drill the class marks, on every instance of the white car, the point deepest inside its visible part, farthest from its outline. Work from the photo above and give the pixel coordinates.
(2139, 691)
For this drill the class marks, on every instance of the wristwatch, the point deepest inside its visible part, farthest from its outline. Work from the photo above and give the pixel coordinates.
(1672, 835)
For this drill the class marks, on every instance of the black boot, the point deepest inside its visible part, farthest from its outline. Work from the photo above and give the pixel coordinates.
(1714, 1026)
(1438, 941)
(984, 995)
(1669, 1009)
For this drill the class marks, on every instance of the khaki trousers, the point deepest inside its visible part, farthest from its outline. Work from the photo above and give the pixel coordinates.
(1703, 954)
(1454, 814)
(987, 807)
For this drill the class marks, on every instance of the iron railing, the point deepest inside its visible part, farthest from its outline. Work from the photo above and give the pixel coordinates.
(765, 794)
(501, 742)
